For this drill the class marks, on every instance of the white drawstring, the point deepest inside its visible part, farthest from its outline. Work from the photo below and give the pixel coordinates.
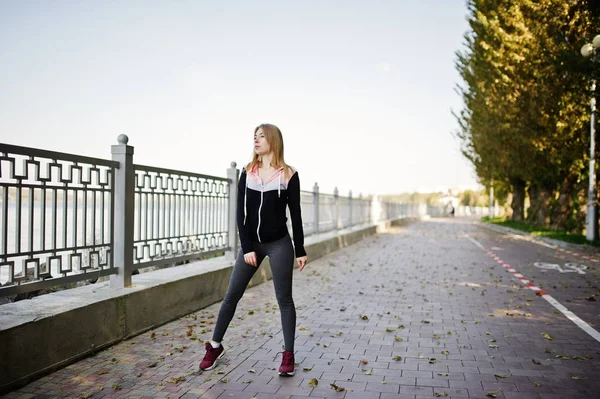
(246, 193)
(245, 196)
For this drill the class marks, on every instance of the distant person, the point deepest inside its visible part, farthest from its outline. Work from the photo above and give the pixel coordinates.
(267, 185)
(451, 210)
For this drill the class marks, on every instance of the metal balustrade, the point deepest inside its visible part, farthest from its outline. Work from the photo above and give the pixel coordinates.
(56, 218)
(66, 218)
(178, 215)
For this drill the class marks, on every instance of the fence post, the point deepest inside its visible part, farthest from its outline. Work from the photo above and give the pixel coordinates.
(316, 208)
(360, 209)
(123, 216)
(350, 209)
(336, 210)
(233, 176)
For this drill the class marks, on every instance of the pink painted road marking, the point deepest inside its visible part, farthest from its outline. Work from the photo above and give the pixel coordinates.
(514, 272)
(579, 255)
(566, 312)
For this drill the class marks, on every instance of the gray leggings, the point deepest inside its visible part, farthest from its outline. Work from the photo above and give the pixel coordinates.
(281, 256)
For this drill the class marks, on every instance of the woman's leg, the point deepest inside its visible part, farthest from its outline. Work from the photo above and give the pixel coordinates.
(240, 277)
(281, 256)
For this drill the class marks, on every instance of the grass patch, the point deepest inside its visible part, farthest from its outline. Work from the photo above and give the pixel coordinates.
(542, 231)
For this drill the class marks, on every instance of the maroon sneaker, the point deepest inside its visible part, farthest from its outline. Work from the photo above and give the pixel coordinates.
(212, 355)
(287, 364)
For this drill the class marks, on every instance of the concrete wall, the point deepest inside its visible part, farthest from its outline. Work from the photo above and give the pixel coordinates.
(48, 332)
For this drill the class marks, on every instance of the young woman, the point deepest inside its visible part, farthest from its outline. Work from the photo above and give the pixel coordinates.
(267, 185)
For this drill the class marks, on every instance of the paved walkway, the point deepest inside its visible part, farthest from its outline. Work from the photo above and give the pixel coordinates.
(419, 312)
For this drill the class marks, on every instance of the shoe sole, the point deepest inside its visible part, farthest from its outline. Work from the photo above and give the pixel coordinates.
(215, 363)
(283, 374)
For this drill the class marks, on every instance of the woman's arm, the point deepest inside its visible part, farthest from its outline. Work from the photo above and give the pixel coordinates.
(246, 244)
(296, 214)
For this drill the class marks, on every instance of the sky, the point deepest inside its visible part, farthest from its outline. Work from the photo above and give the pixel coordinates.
(363, 91)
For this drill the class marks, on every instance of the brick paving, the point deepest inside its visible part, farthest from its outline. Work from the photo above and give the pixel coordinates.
(418, 312)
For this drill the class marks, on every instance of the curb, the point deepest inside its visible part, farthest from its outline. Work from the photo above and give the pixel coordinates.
(552, 241)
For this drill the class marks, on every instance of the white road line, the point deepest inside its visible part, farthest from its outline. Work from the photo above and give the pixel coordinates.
(474, 241)
(568, 314)
(571, 316)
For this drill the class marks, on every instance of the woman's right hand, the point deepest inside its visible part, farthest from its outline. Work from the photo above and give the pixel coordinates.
(250, 258)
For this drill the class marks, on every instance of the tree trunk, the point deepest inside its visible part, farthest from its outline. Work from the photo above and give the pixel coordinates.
(539, 199)
(563, 212)
(518, 200)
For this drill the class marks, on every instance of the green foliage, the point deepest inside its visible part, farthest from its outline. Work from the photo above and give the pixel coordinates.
(474, 198)
(525, 120)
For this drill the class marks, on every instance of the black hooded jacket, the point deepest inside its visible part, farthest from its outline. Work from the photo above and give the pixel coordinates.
(261, 209)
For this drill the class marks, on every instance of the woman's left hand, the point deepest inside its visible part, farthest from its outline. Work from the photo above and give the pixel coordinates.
(301, 262)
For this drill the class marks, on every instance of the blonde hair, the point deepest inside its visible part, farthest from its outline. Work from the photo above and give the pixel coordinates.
(275, 139)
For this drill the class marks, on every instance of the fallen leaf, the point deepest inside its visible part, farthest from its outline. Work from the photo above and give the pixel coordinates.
(306, 368)
(443, 374)
(337, 388)
(438, 394)
(502, 375)
(547, 336)
(536, 361)
(536, 384)
(175, 380)
(313, 382)
(252, 371)
(364, 361)
(575, 377)
(445, 353)
(397, 358)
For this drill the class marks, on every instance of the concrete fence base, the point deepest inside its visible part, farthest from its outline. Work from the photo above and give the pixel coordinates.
(48, 332)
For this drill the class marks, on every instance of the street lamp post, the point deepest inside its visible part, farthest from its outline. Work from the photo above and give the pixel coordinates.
(589, 49)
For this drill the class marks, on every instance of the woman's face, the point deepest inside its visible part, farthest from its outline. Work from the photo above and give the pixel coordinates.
(261, 147)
